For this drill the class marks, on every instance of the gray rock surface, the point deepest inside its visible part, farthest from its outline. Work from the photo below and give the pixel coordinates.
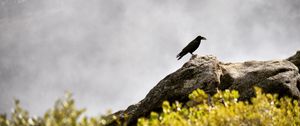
(276, 76)
(207, 73)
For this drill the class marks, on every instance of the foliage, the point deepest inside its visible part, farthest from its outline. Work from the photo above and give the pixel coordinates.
(221, 109)
(64, 113)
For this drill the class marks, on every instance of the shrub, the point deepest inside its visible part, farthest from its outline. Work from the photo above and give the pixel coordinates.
(64, 113)
(226, 110)
(221, 109)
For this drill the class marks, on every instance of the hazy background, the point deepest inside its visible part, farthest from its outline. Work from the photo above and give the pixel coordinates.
(110, 53)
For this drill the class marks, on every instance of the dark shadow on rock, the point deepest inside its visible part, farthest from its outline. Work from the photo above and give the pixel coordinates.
(295, 59)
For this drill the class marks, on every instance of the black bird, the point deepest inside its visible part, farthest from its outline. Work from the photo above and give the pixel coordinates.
(191, 47)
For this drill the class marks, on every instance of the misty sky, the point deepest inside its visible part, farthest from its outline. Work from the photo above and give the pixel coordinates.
(110, 53)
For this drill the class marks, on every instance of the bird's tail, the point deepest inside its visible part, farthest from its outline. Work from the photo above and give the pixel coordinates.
(179, 56)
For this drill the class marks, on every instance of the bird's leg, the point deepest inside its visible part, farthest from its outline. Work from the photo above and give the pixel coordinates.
(192, 54)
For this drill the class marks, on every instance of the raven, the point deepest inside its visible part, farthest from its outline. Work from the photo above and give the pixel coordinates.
(191, 47)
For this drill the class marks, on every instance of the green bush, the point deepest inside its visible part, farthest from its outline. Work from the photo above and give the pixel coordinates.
(222, 109)
(64, 113)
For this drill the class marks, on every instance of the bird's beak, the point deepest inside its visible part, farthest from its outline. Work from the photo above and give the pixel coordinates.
(203, 38)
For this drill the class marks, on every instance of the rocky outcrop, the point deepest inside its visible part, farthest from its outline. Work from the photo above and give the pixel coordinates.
(278, 76)
(207, 73)
(295, 59)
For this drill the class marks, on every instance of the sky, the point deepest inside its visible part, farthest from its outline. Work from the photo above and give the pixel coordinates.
(111, 53)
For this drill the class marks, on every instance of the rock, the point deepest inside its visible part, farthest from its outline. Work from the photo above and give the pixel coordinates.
(199, 72)
(279, 77)
(209, 74)
(295, 59)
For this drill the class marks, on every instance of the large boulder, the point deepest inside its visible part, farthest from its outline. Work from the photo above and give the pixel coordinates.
(276, 76)
(207, 73)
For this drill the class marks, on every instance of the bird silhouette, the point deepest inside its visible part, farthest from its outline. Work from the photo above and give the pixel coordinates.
(191, 47)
